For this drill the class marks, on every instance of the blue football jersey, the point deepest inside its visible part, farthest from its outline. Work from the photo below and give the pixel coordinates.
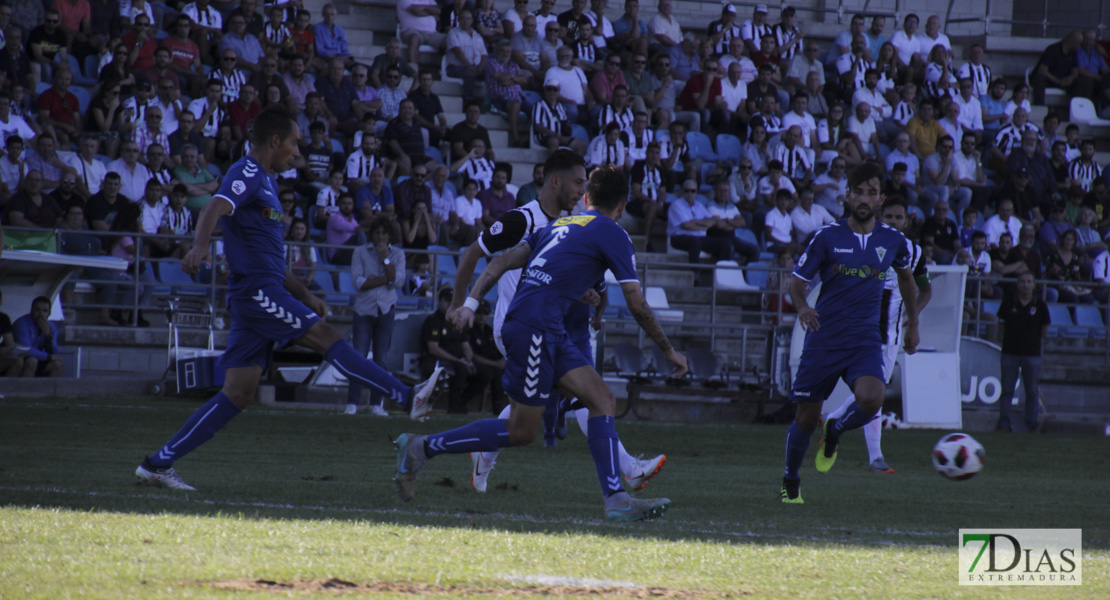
(252, 232)
(854, 269)
(569, 256)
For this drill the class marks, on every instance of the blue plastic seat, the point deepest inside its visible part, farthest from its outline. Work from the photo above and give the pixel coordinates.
(79, 77)
(1061, 321)
(729, 147)
(182, 284)
(1090, 318)
(347, 288)
(756, 274)
(700, 146)
(747, 235)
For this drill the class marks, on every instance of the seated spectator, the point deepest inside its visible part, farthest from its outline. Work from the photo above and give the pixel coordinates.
(153, 212)
(301, 255)
(375, 199)
(150, 130)
(248, 50)
(65, 195)
(804, 63)
(528, 49)
(753, 29)
(474, 165)
(729, 221)
(343, 230)
(363, 161)
(647, 191)
(102, 207)
(767, 115)
(443, 344)
(830, 190)
(744, 189)
(574, 91)
(1054, 227)
(1092, 68)
(1058, 163)
(587, 56)
(242, 111)
(687, 223)
(1083, 171)
(551, 128)
(496, 200)
(852, 66)
(906, 109)
(808, 217)
(630, 32)
(466, 54)
(327, 200)
(339, 97)
(319, 158)
(443, 195)
(462, 134)
(503, 83)
(47, 162)
(531, 190)
(799, 116)
(551, 42)
(1058, 66)
(1002, 221)
(133, 173)
(941, 179)
(994, 109)
(35, 332)
(865, 135)
(978, 262)
(276, 37)
(924, 130)
(617, 110)
(89, 170)
(178, 220)
(199, 182)
(605, 82)
(212, 120)
(769, 186)
(76, 240)
(417, 21)
(757, 148)
(735, 94)
(466, 222)
(429, 110)
(12, 168)
(304, 37)
(1065, 265)
(331, 41)
(59, 111)
(1007, 262)
(607, 148)
(778, 230)
(419, 228)
(636, 138)
(793, 155)
(942, 234)
(703, 94)
(299, 83)
(939, 81)
(404, 140)
(1088, 238)
(1029, 158)
(315, 112)
(30, 207)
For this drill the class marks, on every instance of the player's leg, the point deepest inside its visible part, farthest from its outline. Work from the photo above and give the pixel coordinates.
(240, 385)
(362, 331)
(327, 340)
(483, 462)
(817, 375)
(637, 473)
(584, 383)
(1030, 379)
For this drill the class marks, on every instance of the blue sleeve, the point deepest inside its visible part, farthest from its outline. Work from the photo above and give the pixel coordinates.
(26, 334)
(240, 187)
(902, 256)
(809, 263)
(619, 254)
(533, 240)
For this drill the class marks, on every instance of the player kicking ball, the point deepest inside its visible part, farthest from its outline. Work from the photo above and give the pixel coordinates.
(266, 305)
(561, 262)
(894, 215)
(852, 257)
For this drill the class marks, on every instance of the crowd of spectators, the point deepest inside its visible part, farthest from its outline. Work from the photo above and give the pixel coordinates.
(119, 116)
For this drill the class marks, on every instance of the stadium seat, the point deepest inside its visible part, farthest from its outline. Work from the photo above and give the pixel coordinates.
(434, 154)
(700, 146)
(512, 189)
(327, 286)
(672, 250)
(79, 77)
(1089, 317)
(1049, 92)
(656, 298)
(347, 286)
(214, 169)
(313, 231)
(990, 307)
(92, 67)
(445, 263)
(337, 147)
(1083, 111)
(662, 368)
(707, 169)
(183, 284)
(728, 276)
(756, 274)
(631, 363)
(748, 236)
(705, 367)
(729, 147)
(1061, 321)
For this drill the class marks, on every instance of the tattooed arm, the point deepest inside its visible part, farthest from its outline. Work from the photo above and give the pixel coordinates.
(645, 317)
(463, 317)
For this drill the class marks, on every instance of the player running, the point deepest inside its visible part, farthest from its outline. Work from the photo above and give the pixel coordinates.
(890, 327)
(563, 261)
(266, 304)
(559, 194)
(853, 257)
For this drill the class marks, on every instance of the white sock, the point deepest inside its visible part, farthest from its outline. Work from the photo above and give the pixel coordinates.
(629, 465)
(872, 432)
(491, 457)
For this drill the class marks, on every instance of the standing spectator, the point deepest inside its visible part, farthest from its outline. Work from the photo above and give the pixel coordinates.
(35, 331)
(327, 201)
(417, 21)
(331, 41)
(1023, 320)
(1058, 66)
(377, 271)
(466, 54)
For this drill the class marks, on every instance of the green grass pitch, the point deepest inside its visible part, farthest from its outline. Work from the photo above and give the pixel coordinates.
(301, 504)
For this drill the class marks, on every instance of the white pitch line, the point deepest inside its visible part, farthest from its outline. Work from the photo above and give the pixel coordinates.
(680, 525)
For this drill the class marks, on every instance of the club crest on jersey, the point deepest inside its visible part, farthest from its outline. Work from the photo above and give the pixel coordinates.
(881, 252)
(239, 188)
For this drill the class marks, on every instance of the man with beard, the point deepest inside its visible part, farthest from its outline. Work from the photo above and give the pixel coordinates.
(842, 339)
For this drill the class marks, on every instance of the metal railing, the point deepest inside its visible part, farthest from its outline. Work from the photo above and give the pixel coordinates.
(988, 18)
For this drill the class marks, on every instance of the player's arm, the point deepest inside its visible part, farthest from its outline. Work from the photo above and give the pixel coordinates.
(511, 233)
(924, 286)
(463, 318)
(297, 288)
(908, 288)
(206, 224)
(645, 318)
(806, 313)
(599, 310)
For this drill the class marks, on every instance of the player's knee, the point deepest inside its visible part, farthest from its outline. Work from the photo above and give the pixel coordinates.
(521, 436)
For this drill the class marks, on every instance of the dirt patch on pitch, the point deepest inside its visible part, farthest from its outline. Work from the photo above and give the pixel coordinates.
(339, 586)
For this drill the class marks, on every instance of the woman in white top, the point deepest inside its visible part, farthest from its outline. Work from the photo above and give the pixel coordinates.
(757, 149)
(939, 80)
(1020, 97)
(468, 210)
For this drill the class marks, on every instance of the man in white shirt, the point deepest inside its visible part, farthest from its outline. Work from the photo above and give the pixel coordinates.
(972, 177)
(804, 63)
(941, 179)
(907, 43)
(735, 54)
(1002, 221)
(665, 29)
(133, 174)
(687, 222)
(417, 19)
(830, 189)
(971, 112)
(798, 116)
(933, 37)
(466, 53)
(735, 93)
(862, 126)
(808, 217)
(90, 171)
(13, 124)
(778, 228)
(881, 110)
(574, 89)
(770, 184)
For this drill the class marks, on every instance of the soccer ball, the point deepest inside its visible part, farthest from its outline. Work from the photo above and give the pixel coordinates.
(958, 456)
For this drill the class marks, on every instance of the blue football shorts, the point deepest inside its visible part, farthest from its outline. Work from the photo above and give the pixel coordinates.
(819, 370)
(260, 317)
(537, 360)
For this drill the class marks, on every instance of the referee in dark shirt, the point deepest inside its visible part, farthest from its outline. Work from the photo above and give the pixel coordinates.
(1024, 322)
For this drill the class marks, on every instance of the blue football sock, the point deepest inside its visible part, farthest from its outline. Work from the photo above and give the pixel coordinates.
(853, 418)
(357, 367)
(603, 447)
(797, 442)
(200, 428)
(480, 436)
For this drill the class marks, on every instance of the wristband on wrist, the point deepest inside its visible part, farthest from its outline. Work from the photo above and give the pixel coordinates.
(471, 303)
